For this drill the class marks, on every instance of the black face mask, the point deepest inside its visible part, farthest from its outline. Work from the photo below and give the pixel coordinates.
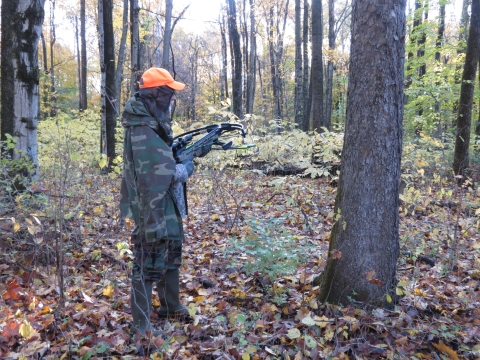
(157, 101)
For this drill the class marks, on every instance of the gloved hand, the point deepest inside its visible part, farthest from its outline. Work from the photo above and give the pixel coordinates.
(183, 171)
(188, 166)
(204, 150)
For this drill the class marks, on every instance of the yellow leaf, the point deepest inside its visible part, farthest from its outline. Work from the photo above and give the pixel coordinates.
(108, 291)
(215, 217)
(329, 335)
(389, 298)
(25, 329)
(445, 349)
(198, 299)
(192, 310)
(97, 210)
(246, 356)
(16, 227)
(156, 303)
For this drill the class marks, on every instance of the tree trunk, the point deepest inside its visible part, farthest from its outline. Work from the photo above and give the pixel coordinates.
(273, 69)
(464, 119)
(318, 117)
(306, 88)
(439, 45)
(22, 22)
(364, 244)
(299, 97)
(331, 45)
(223, 74)
(53, 39)
(45, 91)
(237, 94)
(464, 18)
(121, 57)
(109, 58)
(79, 63)
(252, 63)
(83, 67)
(101, 50)
(135, 46)
(421, 43)
(167, 34)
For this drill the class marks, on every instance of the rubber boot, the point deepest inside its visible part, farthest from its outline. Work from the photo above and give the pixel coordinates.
(169, 293)
(141, 305)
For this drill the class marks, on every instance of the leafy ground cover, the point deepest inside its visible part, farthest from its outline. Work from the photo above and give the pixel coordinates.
(254, 244)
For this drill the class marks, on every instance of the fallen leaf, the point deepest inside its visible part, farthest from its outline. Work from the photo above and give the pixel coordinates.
(108, 291)
(294, 333)
(445, 349)
(336, 254)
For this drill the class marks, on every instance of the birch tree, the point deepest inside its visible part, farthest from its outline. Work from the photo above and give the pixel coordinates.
(22, 22)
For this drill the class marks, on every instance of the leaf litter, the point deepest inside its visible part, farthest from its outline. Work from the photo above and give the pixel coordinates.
(239, 314)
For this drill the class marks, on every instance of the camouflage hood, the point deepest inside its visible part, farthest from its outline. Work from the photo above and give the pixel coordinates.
(136, 113)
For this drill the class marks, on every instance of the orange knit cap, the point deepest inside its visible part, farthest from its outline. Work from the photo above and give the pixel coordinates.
(154, 77)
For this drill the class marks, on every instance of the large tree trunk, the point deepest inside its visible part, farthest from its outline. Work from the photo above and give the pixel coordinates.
(83, 62)
(109, 58)
(22, 22)
(318, 117)
(299, 96)
(331, 45)
(167, 34)
(364, 244)
(237, 93)
(464, 119)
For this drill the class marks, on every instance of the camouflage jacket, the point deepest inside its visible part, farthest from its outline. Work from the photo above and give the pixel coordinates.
(149, 167)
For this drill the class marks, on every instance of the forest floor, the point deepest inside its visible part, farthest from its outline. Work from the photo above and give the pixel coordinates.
(257, 308)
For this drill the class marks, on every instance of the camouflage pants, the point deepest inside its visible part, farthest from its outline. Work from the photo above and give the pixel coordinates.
(152, 260)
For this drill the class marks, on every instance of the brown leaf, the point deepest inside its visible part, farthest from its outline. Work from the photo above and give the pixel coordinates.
(445, 349)
(370, 276)
(336, 254)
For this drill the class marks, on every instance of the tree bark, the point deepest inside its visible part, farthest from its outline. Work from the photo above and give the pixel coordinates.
(237, 93)
(83, 66)
(22, 22)
(318, 117)
(167, 34)
(464, 119)
(364, 242)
